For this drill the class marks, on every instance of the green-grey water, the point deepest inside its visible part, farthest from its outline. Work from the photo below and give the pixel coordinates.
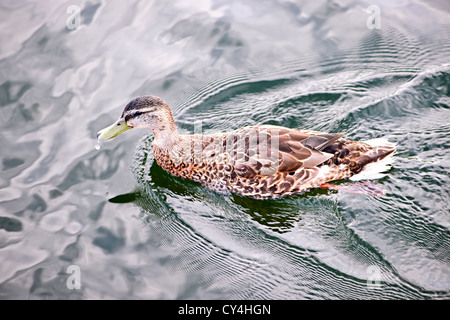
(133, 231)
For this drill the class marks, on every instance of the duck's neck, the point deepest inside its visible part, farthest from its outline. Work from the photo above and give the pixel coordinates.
(166, 139)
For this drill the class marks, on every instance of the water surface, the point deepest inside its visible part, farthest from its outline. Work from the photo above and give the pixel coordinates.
(136, 232)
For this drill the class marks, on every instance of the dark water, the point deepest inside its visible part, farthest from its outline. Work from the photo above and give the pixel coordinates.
(135, 232)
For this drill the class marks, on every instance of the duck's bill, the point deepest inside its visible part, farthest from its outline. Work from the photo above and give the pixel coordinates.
(118, 127)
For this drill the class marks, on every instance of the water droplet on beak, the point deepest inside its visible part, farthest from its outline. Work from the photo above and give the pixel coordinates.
(98, 146)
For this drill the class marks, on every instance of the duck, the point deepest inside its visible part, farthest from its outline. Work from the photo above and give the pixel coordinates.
(261, 161)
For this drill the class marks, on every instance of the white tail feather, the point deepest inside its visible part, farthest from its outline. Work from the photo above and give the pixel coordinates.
(375, 170)
(380, 142)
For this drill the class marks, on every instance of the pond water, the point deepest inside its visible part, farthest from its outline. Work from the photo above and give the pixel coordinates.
(82, 220)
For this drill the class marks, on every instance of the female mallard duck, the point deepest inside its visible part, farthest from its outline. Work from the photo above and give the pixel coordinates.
(263, 161)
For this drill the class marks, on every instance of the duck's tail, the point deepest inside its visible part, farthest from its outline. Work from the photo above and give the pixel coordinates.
(376, 161)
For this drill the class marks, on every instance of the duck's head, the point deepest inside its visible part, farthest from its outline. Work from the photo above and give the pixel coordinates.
(142, 112)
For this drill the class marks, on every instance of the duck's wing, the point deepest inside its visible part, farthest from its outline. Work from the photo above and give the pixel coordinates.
(267, 149)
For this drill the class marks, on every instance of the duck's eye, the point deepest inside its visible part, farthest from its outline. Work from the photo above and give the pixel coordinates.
(137, 113)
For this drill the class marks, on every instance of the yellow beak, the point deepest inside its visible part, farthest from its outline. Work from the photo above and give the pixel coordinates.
(119, 127)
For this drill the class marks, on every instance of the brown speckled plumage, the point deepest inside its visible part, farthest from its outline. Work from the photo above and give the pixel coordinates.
(261, 162)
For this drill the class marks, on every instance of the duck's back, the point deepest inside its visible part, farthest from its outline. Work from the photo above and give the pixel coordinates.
(267, 161)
